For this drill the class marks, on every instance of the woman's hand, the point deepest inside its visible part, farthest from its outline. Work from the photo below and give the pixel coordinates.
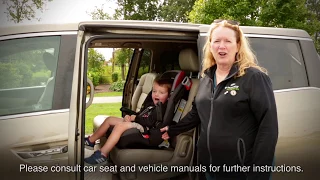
(165, 135)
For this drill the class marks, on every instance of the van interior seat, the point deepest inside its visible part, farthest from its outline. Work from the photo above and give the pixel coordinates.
(141, 92)
(182, 154)
(45, 99)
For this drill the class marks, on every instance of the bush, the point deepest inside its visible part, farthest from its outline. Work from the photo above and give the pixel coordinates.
(94, 77)
(105, 79)
(40, 78)
(117, 86)
(143, 71)
(9, 76)
(115, 77)
(26, 74)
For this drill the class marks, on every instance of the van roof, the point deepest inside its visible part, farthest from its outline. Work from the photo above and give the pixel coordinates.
(155, 25)
(267, 31)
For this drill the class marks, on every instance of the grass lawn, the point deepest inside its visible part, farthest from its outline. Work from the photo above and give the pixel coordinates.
(111, 109)
(108, 94)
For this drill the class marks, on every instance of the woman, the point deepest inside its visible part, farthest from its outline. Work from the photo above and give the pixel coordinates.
(235, 106)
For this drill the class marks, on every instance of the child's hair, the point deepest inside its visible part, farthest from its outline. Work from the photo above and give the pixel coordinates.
(164, 82)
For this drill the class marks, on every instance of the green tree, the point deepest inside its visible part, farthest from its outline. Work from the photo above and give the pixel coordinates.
(137, 9)
(19, 10)
(9, 76)
(270, 13)
(99, 14)
(175, 10)
(122, 57)
(245, 11)
(314, 7)
(285, 13)
(95, 66)
(95, 60)
(166, 10)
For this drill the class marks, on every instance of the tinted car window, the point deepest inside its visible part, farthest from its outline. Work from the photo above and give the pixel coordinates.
(27, 74)
(170, 61)
(36, 73)
(145, 63)
(283, 60)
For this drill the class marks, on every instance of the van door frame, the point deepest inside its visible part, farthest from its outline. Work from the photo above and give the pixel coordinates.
(87, 34)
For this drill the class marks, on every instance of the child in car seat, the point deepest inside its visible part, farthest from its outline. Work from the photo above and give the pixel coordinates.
(145, 119)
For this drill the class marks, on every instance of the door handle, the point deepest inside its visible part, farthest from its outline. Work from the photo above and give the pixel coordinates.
(46, 152)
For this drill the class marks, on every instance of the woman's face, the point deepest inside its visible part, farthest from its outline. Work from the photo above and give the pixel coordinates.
(224, 45)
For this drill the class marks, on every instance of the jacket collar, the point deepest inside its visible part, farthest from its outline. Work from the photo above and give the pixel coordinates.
(233, 71)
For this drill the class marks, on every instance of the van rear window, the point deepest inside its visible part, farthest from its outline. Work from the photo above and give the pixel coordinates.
(283, 60)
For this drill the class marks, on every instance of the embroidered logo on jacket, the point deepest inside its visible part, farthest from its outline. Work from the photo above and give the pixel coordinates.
(233, 88)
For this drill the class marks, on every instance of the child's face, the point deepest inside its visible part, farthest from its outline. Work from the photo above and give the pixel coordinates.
(159, 93)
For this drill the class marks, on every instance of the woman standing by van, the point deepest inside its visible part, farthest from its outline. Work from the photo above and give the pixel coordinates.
(235, 106)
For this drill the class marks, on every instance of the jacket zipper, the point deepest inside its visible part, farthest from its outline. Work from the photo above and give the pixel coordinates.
(211, 112)
(210, 121)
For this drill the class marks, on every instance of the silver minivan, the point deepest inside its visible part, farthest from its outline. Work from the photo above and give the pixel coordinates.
(43, 85)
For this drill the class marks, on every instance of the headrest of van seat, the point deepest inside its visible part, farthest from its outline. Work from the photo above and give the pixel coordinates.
(188, 60)
(176, 76)
(50, 61)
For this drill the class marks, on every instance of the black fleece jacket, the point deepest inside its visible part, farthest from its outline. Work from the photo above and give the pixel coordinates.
(240, 111)
(151, 115)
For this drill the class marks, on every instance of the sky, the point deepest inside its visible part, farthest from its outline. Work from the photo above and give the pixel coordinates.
(64, 11)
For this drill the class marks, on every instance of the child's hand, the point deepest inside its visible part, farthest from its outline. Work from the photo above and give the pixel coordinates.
(132, 117)
(126, 118)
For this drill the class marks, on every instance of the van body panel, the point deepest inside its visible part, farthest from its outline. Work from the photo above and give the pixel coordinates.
(28, 140)
(299, 132)
(76, 109)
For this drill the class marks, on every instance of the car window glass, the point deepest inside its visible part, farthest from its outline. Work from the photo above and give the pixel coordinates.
(145, 63)
(27, 74)
(283, 60)
(170, 61)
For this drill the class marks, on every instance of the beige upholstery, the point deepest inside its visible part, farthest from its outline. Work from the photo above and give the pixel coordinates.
(142, 90)
(188, 60)
(45, 101)
(139, 95)
(184, 148)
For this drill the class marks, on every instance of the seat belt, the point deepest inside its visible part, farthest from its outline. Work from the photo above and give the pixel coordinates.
(187, 83)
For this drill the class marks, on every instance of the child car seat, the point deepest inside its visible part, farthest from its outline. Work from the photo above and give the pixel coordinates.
(132, 138)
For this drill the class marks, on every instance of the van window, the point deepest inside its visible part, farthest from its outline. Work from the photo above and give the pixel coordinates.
(283, 60)
(144, 63)
(27, 74)
(170, 61)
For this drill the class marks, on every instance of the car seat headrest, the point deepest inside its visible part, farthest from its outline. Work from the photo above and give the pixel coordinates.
(175, 75)
(50, 61)
(188, 60)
